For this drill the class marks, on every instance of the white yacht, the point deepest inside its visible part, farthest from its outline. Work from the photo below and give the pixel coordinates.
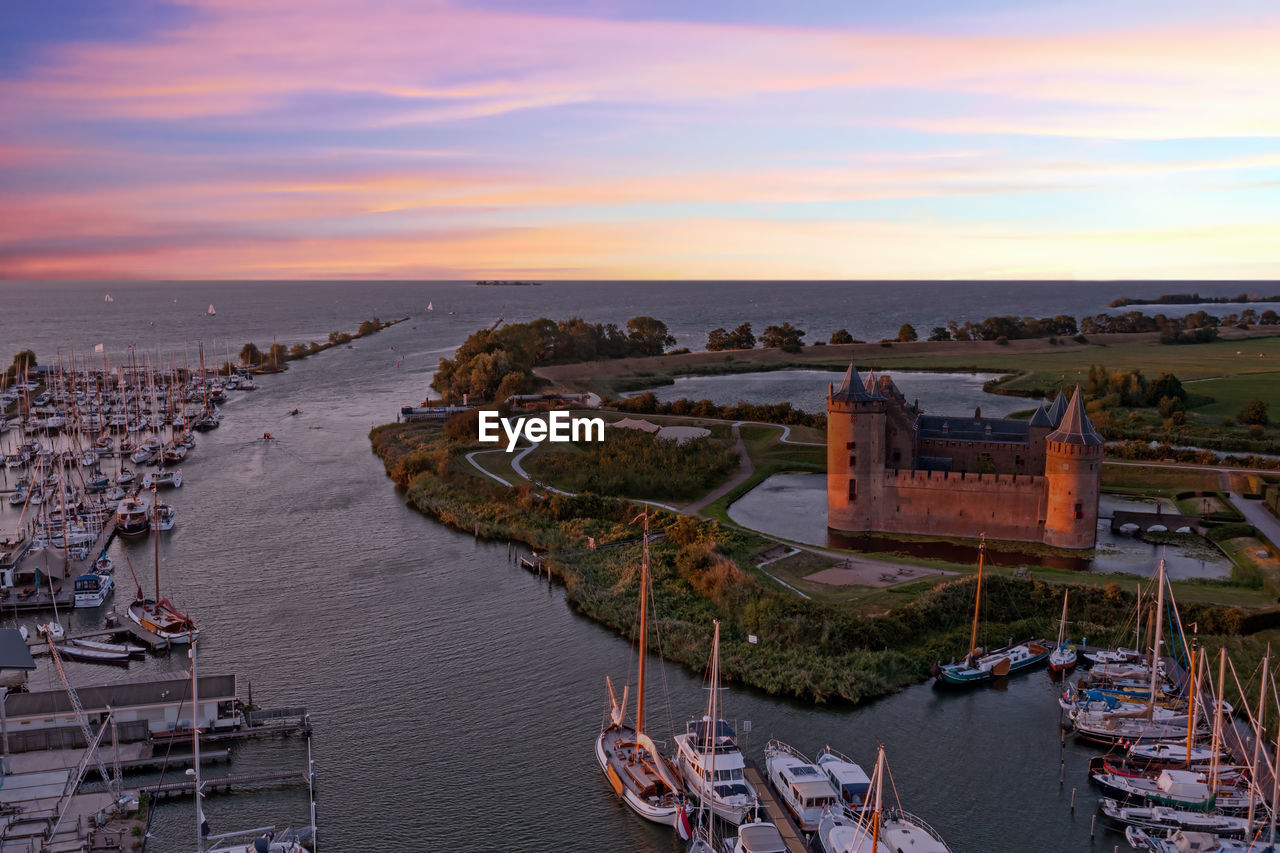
(879, 828)
(708, 757)
(801, 785)
(92, 589)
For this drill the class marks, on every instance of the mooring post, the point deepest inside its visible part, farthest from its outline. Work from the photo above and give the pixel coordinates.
(1073, 800)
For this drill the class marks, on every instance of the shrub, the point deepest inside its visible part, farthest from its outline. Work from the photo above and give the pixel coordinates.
(1254, 412)
(1002, 341)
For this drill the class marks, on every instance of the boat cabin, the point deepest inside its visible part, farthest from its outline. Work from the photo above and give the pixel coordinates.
(850, 780)
(806, 790)
(760, 838)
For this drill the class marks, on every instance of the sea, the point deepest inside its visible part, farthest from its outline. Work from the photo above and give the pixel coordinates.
(456, 697)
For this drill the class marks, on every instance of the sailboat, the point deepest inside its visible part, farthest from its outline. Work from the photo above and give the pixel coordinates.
(979, 666)
(108, 299)
(707, 755)
(628, 757)
(158, 615)
(1063, 656)
(430, 307)
(210, 312)
(1144, 724)
(879, 830)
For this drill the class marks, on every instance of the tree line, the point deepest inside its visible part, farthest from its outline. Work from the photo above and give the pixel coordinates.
(493, 364)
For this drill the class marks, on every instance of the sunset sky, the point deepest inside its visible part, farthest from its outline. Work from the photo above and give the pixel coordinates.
(636, 140)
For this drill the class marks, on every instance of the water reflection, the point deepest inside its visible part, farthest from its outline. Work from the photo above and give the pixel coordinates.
(794, 506)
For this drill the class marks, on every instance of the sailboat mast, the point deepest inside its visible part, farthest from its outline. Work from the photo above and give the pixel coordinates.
(977, 599)
(714, 722)
(875, 817)
(155, 534)
(1257, 739)
(195, 740)
(1062, 625)
(644, 626)
(1155, 648)
(1137, 627)
(1217, 719)
(1191, 704)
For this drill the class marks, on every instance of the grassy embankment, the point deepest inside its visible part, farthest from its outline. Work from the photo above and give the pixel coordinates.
(814, 650)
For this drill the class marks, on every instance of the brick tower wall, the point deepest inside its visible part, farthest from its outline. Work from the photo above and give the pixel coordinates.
(1073, 475)
(855, 462)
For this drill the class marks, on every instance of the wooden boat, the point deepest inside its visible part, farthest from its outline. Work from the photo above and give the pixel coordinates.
(1165, 819)
(979, 666)
(133, 517)
(88, 655)
(628, 757)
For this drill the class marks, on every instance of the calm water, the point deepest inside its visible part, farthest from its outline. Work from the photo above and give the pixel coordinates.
(938, 393)
(794, 506)
(455, 697)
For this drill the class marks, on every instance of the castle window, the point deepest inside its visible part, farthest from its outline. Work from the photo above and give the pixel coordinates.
(851, 445)
(853, 490)
(897, 457)
(1079, 510)
(853, 460)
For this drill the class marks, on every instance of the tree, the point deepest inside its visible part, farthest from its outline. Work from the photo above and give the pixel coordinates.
(741, 337)
(648, 336)
(250, 354)
(1269, 318)
(785, 337)
(939, 333)
(1254, 412)
(279, 354)
(717, 340)
(906, 333)
(841, 336)
(25, 360)
(1165, 385)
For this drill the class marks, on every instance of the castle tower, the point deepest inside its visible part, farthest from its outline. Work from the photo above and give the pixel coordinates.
(1037, 431)
(1073, 470)
(855, 453)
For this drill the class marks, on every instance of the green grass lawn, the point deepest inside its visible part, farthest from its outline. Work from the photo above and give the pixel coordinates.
(1231, 393)
(1154, 480)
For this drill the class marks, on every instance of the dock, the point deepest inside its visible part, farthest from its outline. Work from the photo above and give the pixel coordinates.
(225, 783)
(38, 646)
(778, 813)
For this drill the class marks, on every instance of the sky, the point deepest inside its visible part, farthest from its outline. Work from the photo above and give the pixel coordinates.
(619, 139)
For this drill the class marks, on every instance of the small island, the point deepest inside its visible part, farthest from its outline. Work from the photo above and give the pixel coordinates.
(1190, 299)
(508, 284)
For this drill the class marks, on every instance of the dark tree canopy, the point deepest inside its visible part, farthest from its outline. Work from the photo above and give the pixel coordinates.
(785, 337)
(841, 336)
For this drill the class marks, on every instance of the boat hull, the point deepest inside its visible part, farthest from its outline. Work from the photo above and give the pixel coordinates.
(958, 675)
(658, 813)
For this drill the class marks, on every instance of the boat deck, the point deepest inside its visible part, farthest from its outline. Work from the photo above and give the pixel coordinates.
(777, 812)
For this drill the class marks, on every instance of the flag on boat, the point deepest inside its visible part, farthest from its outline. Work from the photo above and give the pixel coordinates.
(98, 348)
(683, 829)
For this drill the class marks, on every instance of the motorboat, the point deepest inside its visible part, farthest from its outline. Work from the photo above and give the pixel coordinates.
(707, 755)
(125, 477)
(93, 588)
(166, 515)
(133, 516)
(848, 778)
(803, 788)
(1184, 841)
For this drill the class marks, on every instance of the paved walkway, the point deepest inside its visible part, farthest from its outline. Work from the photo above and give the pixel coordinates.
(471, 457)
(1258, 515)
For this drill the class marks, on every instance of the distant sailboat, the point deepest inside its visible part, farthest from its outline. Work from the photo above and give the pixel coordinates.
(108, 299)
(430, 306)
(210, 312)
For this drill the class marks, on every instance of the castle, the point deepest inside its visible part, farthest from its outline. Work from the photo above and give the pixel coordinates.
(893, 469)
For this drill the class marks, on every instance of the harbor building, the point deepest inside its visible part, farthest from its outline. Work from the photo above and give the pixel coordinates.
(893, 469)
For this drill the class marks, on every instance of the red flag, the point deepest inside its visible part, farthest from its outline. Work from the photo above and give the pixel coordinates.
(683, 829)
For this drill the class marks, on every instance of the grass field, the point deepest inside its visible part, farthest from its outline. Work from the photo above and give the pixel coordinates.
(1231, 393)
(1153, 480)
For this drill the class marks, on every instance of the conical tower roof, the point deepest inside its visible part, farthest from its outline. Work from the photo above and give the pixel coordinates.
(1075, 427)
(871, 383)
(1041, 417)
(852, 389)
(1059, 408)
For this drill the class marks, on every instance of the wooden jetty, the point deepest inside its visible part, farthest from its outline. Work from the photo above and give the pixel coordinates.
(778, 813)
(38, 646)
(184, 787)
